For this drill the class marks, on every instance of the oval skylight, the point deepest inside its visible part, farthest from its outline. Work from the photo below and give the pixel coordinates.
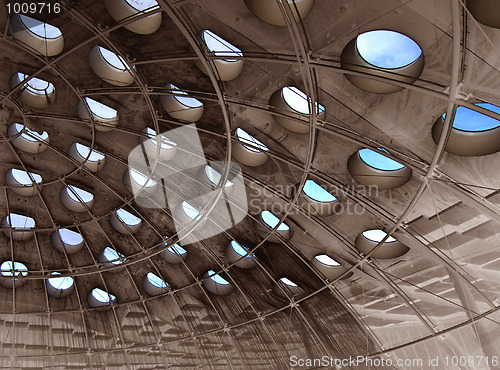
(70, 237)
(469, 120)
(327, 260)
(79, 195)
(102, 296)
(183, 98)
(141, 179)
(60, 283)
(30, 135)
(190, 211)
(377, 236)
(214, 176)
(113, 59)
(271, 221)
(379, 161)
(288, 282)
(240, 249)
(10, 268)
(127, 217)
(100, 110)
(36, 85)
(84, 151)
(111, 255)
(176, 248)
(316, 192)
(40, 28)
(26, 178)
(142, 5)
(20, 222)
(387, 49)
(157, 281)
(254, 145)
(298, 101)
(217, 278)
(165, 142)
(219, 46)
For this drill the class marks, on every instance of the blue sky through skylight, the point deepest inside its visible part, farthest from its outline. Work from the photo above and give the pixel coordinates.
(271, 220)
(115, 60)
(298, 100)
(113, 256)
(84, 150)
(70, 237)
(185, 100)
(23, 177)
(9, 268)
(62, 283)
(379, 161)
(377, 236)
(31, 135)
(20, 222)
(245, 137)
(219, 46)
(217, 278)
(316, 192)
(143, 4)
(156, 281)
(387, 49)
(39, 28)
(469, 120)
(127, 217)
(102, 296)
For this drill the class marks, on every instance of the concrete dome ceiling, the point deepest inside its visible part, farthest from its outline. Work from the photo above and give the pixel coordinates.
(407, 262)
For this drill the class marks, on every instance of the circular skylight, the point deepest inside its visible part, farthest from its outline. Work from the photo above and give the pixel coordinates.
(79, 195)
(387, 49)
(379, 161)
(100, 110)
(115, 60)
(127, 217)
(39, 28)
(84, 151)
(36, 85)
(316, 192)
(298, 101)
(190, 211)
(183, 98)
(10, 268)
(111, 255)
(240, 249)
(214, 176)
(143, 4)
(141, 179)
(327, 260)
(102, 296)
(157, 281)
(377, 236)
(217, 278)
(26, 178)
(67, 241)
(60, 283)
(469, 120)
(28, 134)
(219, 46)
(254, 145)
(288, 282)
(20, 222)
(165, 142)
(271, 221)
(70, 237)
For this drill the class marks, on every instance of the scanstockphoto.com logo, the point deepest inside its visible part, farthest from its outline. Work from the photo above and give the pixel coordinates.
(170, 170)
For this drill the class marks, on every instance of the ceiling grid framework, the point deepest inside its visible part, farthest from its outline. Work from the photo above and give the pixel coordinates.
(439, 299)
